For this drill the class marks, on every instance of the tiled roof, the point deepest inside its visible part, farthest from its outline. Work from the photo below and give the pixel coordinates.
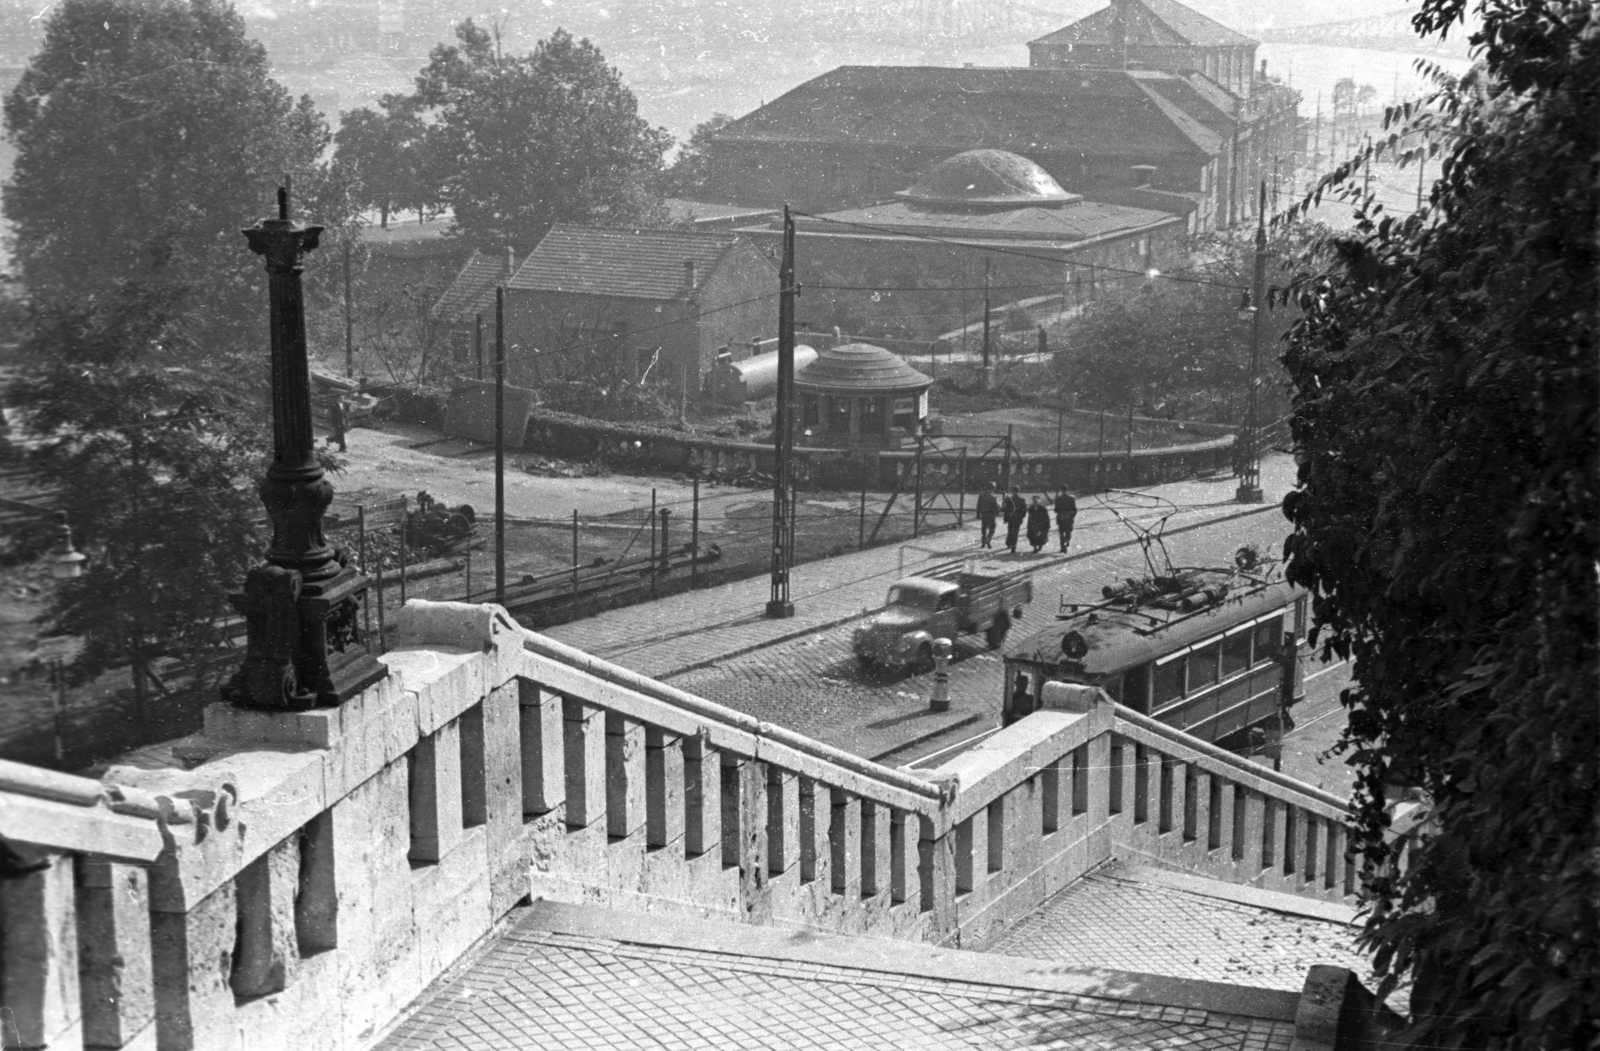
(1024, 110)
(641, 264)
(859, 367)
(472, 292)
(1158, 23)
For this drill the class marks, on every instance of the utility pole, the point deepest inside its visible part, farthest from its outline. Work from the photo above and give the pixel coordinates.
(1249, 491)
(1422, 163)
(477, 343)
(1316, 149)
(349, 322)
(988, 374)
(779, 605)
(500, 445)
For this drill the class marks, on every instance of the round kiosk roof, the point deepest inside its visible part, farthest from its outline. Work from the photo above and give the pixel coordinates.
(991, 178)
(859, 368)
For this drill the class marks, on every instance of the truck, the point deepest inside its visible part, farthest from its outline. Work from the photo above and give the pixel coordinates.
(962, 600)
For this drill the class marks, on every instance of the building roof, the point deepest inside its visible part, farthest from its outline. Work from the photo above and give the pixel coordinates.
(859, 368)
(1030, 111)
(639, 264)
(987, 178)
(472, 292)
(1151, 23)
(1079, 220)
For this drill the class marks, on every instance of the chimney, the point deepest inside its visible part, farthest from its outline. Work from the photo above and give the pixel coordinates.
(1119, 34)
(511, 261)
(1144, 175)
(688, 274)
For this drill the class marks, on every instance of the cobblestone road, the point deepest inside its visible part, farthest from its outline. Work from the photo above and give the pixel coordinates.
(696, 627)
(814, 686)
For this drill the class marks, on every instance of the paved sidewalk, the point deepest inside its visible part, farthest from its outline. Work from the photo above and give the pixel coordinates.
(696, 628)
(570, 977)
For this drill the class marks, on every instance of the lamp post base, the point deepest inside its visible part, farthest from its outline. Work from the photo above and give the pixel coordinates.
(777, 610)
(1249, 494)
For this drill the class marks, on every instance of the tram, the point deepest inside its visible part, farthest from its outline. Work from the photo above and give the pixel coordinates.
(1215, 653)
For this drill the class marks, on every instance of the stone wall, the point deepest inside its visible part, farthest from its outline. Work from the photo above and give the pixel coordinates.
(566, 435)
(318, 869)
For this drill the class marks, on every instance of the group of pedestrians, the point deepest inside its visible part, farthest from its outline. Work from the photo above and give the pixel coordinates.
(1018, 514)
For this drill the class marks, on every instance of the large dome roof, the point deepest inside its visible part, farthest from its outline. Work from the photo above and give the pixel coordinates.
(859, 367)
(987, 177)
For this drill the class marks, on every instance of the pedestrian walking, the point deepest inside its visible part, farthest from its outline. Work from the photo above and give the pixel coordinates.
(988, 511)
(1015, 512)
(1066, 515)
(336, 420)
(1038, 523)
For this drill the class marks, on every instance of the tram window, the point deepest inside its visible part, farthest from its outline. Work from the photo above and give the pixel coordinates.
(1203, 667)
(1136, 689)
(1235, 653)
(1169, 682)
(1269, 635)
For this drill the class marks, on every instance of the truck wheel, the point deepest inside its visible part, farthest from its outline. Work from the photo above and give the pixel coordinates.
(924, 663)
(996, 633)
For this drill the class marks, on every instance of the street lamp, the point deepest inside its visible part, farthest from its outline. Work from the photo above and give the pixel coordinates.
(69, 563)
(1249, 491)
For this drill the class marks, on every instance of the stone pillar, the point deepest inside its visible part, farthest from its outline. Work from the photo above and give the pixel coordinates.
(267, 953)
(540, 732)
(665, 783)
(39, 953)
(113, 903)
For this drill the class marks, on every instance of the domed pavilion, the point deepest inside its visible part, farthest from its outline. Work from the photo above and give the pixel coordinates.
(987, 179)
(859, 396)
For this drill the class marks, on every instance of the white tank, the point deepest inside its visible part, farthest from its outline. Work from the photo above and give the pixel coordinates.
(755, 376)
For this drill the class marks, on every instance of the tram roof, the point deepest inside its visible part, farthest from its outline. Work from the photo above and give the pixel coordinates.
(1115, 638)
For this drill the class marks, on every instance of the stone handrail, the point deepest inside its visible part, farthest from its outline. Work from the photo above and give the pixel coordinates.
(546, 646)
(318, 869)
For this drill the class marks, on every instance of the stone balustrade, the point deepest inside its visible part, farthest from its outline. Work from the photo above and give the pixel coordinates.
(316, 870)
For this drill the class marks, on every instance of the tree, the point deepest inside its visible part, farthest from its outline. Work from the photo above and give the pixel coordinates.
(391, 159)
(691, 169)
(1445, 378)
(528, 141)
(153, 461)
(148, 132)
(1175, 343)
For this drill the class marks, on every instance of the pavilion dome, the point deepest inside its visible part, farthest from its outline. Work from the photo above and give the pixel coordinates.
(987, 178)
(859, 368)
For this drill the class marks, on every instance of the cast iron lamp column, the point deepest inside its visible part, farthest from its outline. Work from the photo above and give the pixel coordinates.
(301, 607)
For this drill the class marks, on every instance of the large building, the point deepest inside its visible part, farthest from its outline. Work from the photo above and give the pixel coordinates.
(1164, 35)
(610, 305)
(913, 266)
(1103, 121)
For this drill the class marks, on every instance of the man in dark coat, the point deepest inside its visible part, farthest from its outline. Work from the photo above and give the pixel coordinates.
(1038, 524)
(336, 420)
(988, 511)
(1014, 511)
(1066, 514)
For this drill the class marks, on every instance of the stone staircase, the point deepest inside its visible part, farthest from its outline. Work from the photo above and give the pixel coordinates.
(297, 879)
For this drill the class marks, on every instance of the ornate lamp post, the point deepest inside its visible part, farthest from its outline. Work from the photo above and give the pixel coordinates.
(301, 607)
